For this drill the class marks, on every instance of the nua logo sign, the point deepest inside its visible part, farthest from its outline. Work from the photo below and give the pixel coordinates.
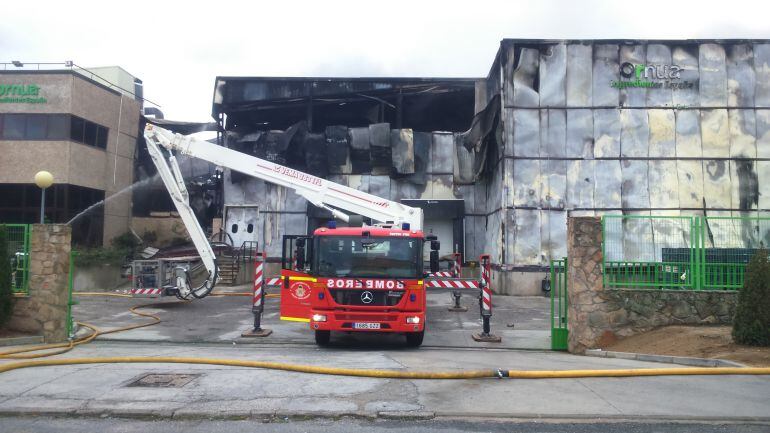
(661, 72)
(21, 93)
(650, 76)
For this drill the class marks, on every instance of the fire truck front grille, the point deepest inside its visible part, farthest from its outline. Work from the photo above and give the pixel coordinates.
(367, 298)
(366, 317)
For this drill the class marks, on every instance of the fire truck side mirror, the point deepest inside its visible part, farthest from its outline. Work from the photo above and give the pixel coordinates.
(434, 261)
(435, 245)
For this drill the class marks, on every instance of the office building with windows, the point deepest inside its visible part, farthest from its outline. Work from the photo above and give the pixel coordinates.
(82, 128)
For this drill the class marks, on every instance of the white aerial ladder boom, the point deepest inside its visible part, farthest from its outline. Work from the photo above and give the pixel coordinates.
(322, 193)
(168, 170)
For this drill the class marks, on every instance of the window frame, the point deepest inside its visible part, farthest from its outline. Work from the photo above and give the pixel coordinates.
(100, 133)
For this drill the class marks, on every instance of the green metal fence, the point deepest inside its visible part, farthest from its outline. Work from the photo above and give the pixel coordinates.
(559, 333)
(680, 252)
(18, 250)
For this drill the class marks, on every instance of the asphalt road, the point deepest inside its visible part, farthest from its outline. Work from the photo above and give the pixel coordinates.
(113, 425)
(223, 319)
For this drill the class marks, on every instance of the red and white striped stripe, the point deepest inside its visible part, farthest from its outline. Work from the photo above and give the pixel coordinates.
(442, 274)
(275, 281)
(454, 283)
(457, 266)
(486, 289)
(259, 280)
(146, 292)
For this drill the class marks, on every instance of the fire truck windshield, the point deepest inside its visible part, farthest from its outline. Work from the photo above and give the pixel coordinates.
(350, 256)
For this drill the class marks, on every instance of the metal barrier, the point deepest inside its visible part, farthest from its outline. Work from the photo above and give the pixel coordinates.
(559, 332)
(258, 298)
(485, 302)
(18, 248)
(680, 252)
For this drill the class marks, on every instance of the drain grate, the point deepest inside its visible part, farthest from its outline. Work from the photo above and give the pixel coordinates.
(156, 380)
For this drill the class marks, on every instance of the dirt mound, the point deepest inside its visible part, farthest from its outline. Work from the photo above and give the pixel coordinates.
(694, 341)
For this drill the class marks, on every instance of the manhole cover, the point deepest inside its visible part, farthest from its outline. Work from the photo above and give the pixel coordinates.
(164, 380)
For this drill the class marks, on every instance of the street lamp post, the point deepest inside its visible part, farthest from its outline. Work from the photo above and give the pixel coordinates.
(43, 180)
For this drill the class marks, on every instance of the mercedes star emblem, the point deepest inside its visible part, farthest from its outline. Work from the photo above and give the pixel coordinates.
(367, 297)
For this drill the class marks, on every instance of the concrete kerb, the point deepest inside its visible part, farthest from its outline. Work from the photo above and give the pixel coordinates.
(277, 417)
(680, 360)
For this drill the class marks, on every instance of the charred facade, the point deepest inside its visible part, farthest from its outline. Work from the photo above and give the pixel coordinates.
(557, 128)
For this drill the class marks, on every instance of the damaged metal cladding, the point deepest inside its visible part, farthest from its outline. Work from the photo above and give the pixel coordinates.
(563, 128)
(666, 143)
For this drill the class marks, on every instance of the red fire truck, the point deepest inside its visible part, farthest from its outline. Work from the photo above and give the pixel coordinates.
(361, 278)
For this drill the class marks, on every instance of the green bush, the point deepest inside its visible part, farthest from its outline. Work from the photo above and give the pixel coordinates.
(6, 291)
(122, 247)
(126, 241)
(752, 317)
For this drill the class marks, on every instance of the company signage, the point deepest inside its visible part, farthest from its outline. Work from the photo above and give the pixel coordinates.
(21, 94)
(651, 77)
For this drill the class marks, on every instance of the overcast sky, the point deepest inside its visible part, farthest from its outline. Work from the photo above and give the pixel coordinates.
(178, 50)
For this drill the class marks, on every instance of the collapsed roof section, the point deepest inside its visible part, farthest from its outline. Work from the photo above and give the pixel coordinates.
(422, 104)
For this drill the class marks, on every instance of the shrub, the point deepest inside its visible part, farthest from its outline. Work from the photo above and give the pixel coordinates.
(752, 316)
(122, 248)
(6, 291)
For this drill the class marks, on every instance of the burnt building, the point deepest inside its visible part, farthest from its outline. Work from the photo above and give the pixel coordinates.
(557, 128)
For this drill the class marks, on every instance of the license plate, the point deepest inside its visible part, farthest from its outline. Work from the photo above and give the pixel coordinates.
(366, 325)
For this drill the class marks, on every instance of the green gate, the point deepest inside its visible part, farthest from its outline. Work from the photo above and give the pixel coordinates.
(18, 249)
(680, 252)
(559, 332)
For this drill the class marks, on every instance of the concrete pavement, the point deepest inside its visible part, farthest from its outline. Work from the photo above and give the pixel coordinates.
(211, 329)
(234, 392)
(222, 319)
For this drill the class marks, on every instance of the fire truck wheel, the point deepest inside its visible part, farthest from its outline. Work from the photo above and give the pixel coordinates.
(322, 337)
(414, 339)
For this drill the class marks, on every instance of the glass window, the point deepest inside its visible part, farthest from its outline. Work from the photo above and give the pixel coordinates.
(58, 127)
(90, 134)
(14, 126)
(101, 136)
(36, 126)
(76, 129)
(368, 257)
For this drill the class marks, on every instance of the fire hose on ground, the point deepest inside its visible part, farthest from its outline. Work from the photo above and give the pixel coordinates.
(394, 374)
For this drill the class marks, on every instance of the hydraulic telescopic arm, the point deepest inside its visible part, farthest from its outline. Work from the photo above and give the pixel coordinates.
(322, 193)
(169, 172)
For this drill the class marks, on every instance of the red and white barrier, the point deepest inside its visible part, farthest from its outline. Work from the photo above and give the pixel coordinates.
(454, 283)
(486, 288)
(275, 281)
(258, 300)
(457, 266)
(259, 281)
(146, 292)
(485, 302)
(442, 274)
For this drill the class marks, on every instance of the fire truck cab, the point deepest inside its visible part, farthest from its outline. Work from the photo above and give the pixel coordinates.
(357, 279)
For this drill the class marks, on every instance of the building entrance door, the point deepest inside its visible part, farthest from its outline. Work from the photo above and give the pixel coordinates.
(241, 223)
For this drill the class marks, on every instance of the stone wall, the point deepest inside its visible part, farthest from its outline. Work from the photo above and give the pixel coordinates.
(626, 312)
(584, 281)
(44, 310)
(597, 316)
